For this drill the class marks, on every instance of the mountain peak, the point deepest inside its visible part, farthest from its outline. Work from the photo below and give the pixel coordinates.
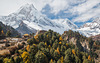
(27, 8)
(97, 20)
(29, 5)
(28, 18)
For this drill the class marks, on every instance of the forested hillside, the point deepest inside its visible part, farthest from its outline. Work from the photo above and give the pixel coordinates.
(6, 30)
(50, 47)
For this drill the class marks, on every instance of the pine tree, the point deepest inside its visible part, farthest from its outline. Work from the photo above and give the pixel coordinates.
(8, 34)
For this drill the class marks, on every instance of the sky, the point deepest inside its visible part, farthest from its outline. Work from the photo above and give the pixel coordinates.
(78, 11)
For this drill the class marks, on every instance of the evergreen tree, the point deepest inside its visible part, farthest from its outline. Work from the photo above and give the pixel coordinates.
(40, 57)
(8, 34)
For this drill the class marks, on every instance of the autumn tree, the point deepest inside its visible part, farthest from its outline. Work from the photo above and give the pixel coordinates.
(73, 51)
(60, 38)
(62, 59)
(36, 38)
(2, 32)
(89, 57)
(27, 48)
(51, 61)
(58, 51)
(25, 57)
(6, 60)
(56, 54)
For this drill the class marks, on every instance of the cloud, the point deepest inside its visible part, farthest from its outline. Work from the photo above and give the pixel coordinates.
(58, 5)
(84, 7)
(39, 4)
(78, 10)
(89, 9)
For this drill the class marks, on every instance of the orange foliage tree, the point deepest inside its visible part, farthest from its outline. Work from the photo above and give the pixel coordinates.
(89, 57)
(73, 51)
(27, 48)
(26, 58)
(51, 61)
(62, 59)
(2, 32)
(36, 37)
(58, 51)
(60, 43)
(60, 38)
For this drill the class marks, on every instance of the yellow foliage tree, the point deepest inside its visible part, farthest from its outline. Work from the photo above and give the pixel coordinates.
(51, 61)
(89, 57)
(35, 45)
(73, 51)
(67, 44)
(47, 36)
(49, 46)
(2, 32)
(58, 51)
(27, 48)
(60, 38)
(36, 37)
(60, 43)
(62, 59)
(25, 57)
(45, 44)
(6, 60)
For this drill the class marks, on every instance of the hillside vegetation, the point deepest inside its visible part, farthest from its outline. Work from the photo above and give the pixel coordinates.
(8, 31)
(51, 47)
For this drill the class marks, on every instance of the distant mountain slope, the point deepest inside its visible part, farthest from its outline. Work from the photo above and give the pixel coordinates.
(65, 23)
(91, 29)
(96, 38)
(5, 28)
(34, 20)
(23, 29)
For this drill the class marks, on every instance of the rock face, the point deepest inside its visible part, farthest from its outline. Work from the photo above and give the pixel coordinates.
(23, 29)
(82, 43)
(33, 20)
(91, 29)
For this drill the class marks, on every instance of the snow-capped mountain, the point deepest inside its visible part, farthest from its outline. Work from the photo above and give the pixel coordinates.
(30, 19)
(65, 23)
(91, 29)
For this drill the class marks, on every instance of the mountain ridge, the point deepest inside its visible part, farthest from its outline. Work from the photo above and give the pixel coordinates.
(92, 28)
(33, 19)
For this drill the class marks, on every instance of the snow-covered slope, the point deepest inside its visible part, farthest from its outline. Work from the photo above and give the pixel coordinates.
(91, 29)
(30, 19)
(65, 23)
